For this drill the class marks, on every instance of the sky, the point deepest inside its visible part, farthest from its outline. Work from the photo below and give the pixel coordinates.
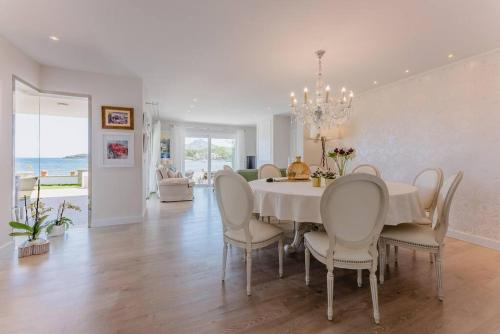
(59, 136)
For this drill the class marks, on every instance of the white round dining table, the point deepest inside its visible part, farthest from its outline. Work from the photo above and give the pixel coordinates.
(300, 201)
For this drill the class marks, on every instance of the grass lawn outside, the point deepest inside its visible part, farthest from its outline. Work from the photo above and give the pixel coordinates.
(59, 186)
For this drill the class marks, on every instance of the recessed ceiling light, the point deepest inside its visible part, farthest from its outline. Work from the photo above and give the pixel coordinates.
(54, 38)
(195, 99)
(375, 82)
(450, 56)
(407, 71)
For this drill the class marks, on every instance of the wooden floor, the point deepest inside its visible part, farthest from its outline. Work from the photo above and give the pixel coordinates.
(163, 276)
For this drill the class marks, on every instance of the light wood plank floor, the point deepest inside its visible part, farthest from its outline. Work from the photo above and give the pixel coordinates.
(163, 276)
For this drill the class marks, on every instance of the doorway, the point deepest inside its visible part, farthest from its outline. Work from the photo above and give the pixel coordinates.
(204, 155)
(51, 151)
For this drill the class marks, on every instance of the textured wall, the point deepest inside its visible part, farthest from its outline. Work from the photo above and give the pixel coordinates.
(449, 118)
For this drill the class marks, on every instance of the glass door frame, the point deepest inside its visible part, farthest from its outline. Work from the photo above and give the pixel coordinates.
(209, 135)
(16, 79)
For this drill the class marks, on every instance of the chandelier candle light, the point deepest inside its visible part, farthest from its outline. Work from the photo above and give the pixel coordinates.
(323, 111)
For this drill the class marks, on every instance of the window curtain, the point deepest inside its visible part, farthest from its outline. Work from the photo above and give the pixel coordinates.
(178, 138)
(155, 155)
(240, 156)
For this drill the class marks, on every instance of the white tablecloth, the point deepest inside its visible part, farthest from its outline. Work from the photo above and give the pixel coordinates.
(299, 201)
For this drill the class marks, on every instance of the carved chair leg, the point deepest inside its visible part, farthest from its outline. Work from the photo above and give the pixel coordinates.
(383, 259)
(396, 249)
(431, 258)
(249, 271)
(280, 257)
(360, 278)
(307, 259)
(224, 260)
(373, 287)
(439, 275)
(329, 284)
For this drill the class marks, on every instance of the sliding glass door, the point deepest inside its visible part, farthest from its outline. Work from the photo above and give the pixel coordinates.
(204, 155)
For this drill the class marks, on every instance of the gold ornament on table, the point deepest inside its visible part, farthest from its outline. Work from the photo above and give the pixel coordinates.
(298, 170)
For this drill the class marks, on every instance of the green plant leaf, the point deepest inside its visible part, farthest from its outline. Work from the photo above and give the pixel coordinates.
(20, 226)
(20, 234)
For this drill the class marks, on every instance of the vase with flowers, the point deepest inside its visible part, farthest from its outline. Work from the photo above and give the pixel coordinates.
(341, 156)
(316, 178)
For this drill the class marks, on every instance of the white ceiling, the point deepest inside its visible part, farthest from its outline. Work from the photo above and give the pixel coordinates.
(240, 59)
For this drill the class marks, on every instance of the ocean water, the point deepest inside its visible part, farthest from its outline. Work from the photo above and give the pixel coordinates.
(54, 166)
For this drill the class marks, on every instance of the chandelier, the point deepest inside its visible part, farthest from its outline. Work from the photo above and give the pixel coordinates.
(323, 111)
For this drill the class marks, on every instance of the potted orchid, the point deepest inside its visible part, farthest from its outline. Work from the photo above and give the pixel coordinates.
(34, 222)
(316, 178)
(59, 225)
(341, 156)
(329, 177)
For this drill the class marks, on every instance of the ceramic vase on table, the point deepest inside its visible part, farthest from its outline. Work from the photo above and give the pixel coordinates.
(328, 182)
(57, 230)
(316, 181)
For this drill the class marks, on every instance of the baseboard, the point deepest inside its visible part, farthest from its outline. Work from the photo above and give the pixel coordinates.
(475, 239)
(116, 221)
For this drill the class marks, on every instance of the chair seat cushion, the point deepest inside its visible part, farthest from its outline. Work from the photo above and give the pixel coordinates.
(319, 243)
(416, 234)
(260, 232)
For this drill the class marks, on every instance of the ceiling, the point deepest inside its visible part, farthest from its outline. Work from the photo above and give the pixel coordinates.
(232, 62)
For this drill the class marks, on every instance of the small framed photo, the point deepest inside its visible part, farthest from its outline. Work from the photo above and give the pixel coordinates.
(117, 118)
(118, 150)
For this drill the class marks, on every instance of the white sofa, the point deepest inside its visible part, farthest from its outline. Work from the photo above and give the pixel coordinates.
(172, 187)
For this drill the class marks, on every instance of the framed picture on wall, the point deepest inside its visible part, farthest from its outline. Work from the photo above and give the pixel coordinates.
(117, 118)
(118, 150)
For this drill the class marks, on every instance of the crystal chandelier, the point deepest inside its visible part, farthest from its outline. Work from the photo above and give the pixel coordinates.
(324, 111)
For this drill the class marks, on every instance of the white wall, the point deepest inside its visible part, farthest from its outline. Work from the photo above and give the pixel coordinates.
(117, 193)
(250, 140)
(12, 62)
(281, 140)
(448, 118)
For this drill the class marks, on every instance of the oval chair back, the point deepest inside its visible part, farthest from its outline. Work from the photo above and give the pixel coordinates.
(429, 182)
(228, 168)
(442, 213)
(268, 170)
(235, 201)
(366, 169)
(353, 210)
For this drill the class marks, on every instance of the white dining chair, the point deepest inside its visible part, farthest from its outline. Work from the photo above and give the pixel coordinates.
(353, 210)
(268, 170)
(228, 168)
(366, 169)
(235, 201)
(429, 182)
(428, 238)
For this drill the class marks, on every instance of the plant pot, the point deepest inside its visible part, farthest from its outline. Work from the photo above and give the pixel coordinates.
(26, 249)
(40, 246)
(57, 230)
(328, 182)
(316, 181)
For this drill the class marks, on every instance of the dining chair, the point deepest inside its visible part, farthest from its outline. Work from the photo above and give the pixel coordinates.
(428, 238)
(367, 169)
(228, 168)
(268, 170)
(240, 229)
(429, 182)
(353, 210)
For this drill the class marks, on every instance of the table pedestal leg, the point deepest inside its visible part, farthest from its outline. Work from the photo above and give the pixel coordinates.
(297, 238)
